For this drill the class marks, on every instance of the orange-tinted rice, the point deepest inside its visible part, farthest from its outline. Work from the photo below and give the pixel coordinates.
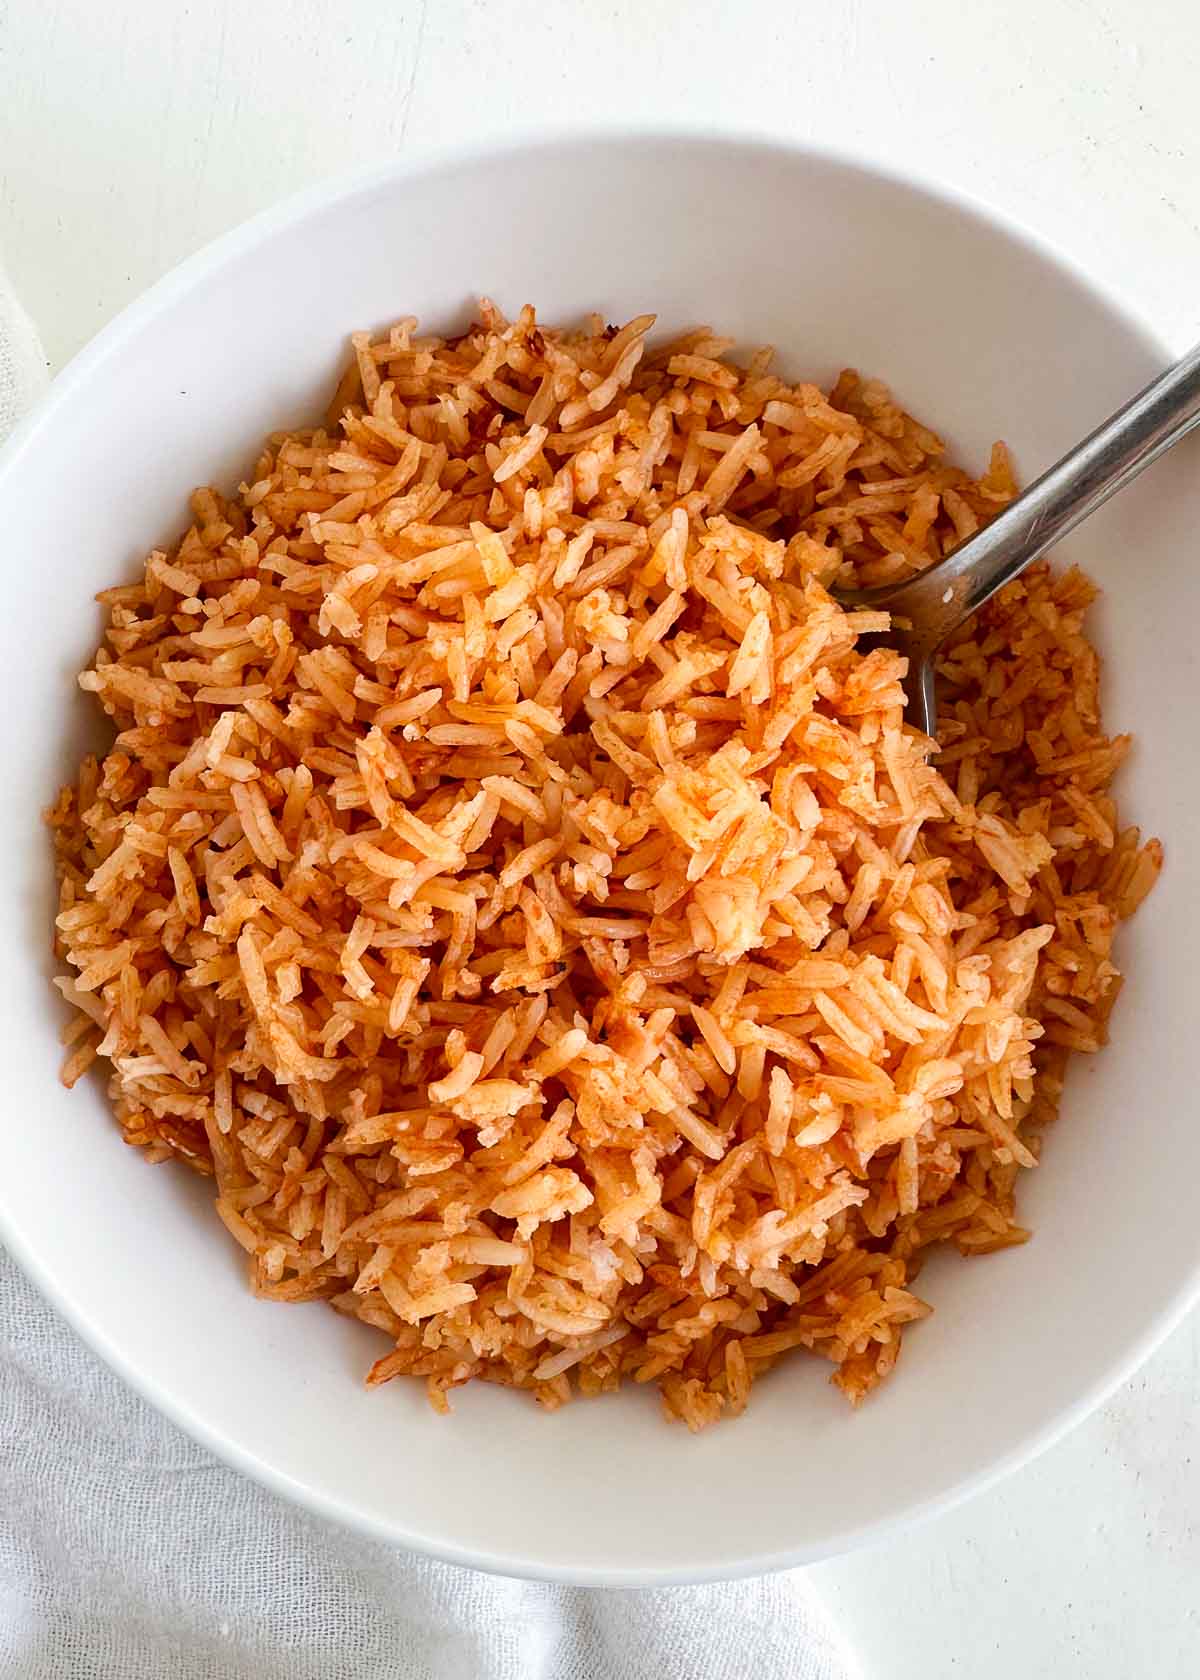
(513, 882)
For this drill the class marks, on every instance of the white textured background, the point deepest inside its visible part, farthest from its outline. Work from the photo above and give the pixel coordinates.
(131, 131)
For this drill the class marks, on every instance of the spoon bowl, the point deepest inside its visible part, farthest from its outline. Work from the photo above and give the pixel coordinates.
(929, 607)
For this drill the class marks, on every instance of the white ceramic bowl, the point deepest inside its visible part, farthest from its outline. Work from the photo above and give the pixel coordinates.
(981, 330)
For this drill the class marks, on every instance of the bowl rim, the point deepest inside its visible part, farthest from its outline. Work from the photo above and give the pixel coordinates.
(124, 327)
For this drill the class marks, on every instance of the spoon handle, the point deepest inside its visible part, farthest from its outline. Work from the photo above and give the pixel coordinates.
(1117, 451)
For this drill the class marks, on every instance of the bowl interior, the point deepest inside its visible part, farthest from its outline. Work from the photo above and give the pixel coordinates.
(984, 336)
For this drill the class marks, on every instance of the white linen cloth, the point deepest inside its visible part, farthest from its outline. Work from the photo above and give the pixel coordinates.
(128, 1553)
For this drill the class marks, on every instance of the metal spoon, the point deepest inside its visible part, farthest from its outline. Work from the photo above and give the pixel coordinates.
(936, 602)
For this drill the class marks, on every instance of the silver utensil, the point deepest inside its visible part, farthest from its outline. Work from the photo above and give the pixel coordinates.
(935, 602)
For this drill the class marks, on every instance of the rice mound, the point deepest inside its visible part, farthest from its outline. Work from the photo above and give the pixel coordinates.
(513, 880)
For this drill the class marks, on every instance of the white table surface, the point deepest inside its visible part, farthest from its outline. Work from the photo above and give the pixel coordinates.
(133, 131)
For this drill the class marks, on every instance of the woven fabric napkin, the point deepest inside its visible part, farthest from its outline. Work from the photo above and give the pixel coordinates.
(128, 1553)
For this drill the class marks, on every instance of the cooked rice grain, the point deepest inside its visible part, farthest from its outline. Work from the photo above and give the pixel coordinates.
(513, 881)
